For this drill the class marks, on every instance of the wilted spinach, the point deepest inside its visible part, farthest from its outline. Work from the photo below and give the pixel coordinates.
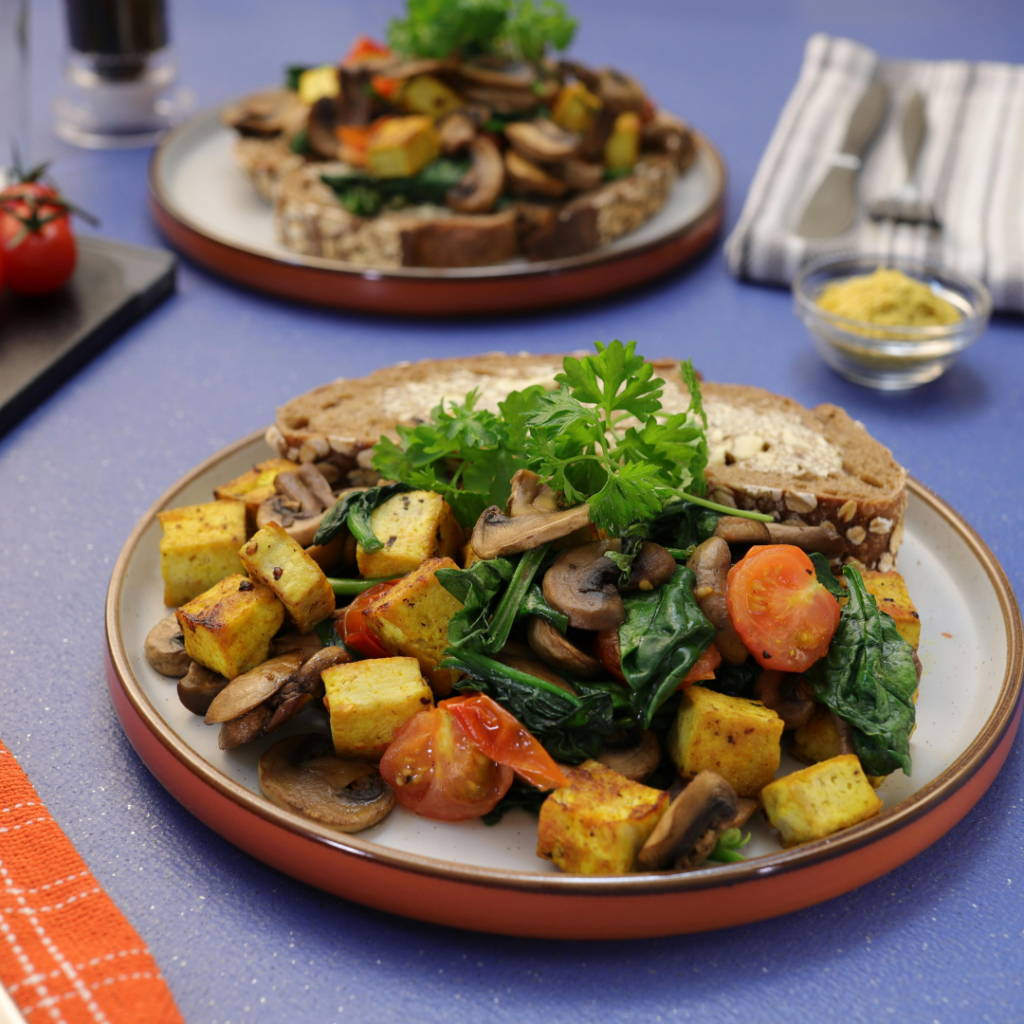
(735, 680)
(682, 525)
(868, 678)
(365, 195)
(354, 511)
(521, 794)
(825, 575)
(664, 634)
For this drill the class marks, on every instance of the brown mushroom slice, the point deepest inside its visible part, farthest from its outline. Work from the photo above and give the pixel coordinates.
(787, 695)
(295, 641)
(534, 668)
(498, 72)
(277, 510)
(320, 128)
(844, 735)
(581, 585)
(244, 692)
(710, 563)
(619, 92)
(580, 175)
(652, 566)
(587, 75)
(745, 808)
(317, 484)
(666, 133)
(528, 179)
(456, 131)
(165, 648)
(291, 485)
(739, 530)
(558, 652)
(198, 687)
(307, 679)
(504, 101)
(303, 774)
(708, 804)
(597, 136)
(481, 186)
(542, 141)
(266, 114)
(822, 539)
(246, 729)
(637, 761)
(525, 485)
(287, 710)
(496, 535)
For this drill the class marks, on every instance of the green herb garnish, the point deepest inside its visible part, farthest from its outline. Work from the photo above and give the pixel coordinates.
(728, 847)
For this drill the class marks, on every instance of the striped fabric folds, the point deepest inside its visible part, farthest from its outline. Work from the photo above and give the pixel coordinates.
(971, 168)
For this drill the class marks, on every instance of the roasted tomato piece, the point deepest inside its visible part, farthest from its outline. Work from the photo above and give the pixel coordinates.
(501, 736)
(363, 48)
(352, 620)
(705, 667)
(782, 613)
(608, 652)
(437, 771)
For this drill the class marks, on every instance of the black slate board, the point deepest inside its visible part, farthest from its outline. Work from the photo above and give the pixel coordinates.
(45, 341)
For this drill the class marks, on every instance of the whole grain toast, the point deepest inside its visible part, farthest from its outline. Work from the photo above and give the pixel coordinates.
(767, 453)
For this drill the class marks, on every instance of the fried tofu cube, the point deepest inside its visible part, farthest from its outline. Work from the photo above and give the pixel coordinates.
(278, 561)
(413, 527)
(817, 740)
(316, 83)
(736, 737)
(819, 800)
(889, 590)
(412, 619)
(597, 824)
(254, 487)
(228, 628)
(402, 146)
(428, 95)
(368, 700)
(199, 547)
(469, 556)
(622, 149)
(575, 108)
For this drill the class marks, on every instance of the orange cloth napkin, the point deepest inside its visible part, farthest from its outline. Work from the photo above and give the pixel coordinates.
(67, 954)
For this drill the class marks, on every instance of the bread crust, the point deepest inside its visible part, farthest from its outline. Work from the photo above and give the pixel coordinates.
(864, 499)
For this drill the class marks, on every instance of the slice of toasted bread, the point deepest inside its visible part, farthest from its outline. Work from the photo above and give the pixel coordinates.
(767, 452)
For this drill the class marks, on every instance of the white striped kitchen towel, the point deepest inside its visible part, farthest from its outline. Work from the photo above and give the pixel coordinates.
(971, 168)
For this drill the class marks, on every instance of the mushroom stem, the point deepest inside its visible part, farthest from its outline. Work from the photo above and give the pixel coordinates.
(496, 535)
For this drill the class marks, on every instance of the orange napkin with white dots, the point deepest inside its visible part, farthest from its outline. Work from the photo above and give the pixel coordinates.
(67, 954)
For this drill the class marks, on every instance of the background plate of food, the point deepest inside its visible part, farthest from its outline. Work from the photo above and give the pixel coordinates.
(444, 174)
(847, 496)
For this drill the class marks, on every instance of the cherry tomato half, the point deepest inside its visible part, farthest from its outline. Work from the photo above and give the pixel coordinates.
(364, 47)
(499, 734)
(782, 613)
(356, 632)
(37, 259)
(437, 771)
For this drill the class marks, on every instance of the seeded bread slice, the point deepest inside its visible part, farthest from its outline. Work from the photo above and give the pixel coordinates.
(768, 453)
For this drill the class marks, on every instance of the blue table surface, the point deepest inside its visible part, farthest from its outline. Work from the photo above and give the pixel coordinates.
(941, 939)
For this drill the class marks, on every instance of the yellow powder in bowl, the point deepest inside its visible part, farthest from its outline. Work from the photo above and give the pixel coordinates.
(887, 297)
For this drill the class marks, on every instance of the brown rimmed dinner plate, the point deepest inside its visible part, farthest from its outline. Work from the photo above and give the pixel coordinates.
(207, 209)
(489, 879)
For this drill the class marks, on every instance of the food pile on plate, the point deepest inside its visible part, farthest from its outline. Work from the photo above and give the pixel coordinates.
(604, 597)
(461, 143)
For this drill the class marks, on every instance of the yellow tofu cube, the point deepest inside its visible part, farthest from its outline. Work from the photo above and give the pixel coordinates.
(402, 146)
(817, 801)
(199, 547)
(254, 487)
(413, 527)
(412, 619)
(736, 737)
(428, 95)
(817, 740)
(368, 700)
(469, 556)
(889, 590)
(316, 83)
(597, 824)
(228, 628)
(278, 561)
(623, 146)
(575, 108)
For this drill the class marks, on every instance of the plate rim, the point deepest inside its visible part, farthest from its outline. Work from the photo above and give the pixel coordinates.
(892, 820)
(461, 275)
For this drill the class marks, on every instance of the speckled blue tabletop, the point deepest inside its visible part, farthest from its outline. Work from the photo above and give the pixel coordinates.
(941, 939)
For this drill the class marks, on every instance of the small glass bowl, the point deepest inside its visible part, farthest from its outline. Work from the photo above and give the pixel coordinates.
(881, 356)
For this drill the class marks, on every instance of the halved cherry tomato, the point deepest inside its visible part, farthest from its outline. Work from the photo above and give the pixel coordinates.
(705, 667)
(437, 771)
(782, 613)
(364, 47)
(499, 734)
(38, 247)
(387, 88)
(606, 650)
(356, 633)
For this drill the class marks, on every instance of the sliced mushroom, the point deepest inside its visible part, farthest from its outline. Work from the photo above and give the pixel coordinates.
(580, 175)
(456, 131)
(652, 566)
(317, 484)
(308, 644)
(286, 710)
(288, 514)
(244, 692)
(542, 141)
(618, 92)
(504, 101)
(581, 585)
(496, 535)
(739, 530)
(822, 539)
(249, 727)
(266, 114)
(303, 774)
(498, 73)
(320, 128)
(637, 761)
(292, 486)
(598, 133)
(307, 679)
(844, 735)
(534, 668)
(165, 648)
(787, 695)
(528, 179)
(480, 187)
(588, 76)
(198, 688)
(711, 562)
(666, 133)
(525, 485)
(558, 652)
(745, 808)
(354, 103)
(708, 804)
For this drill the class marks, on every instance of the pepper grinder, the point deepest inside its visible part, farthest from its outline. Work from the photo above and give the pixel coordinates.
(120, 77)
(14, 120)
